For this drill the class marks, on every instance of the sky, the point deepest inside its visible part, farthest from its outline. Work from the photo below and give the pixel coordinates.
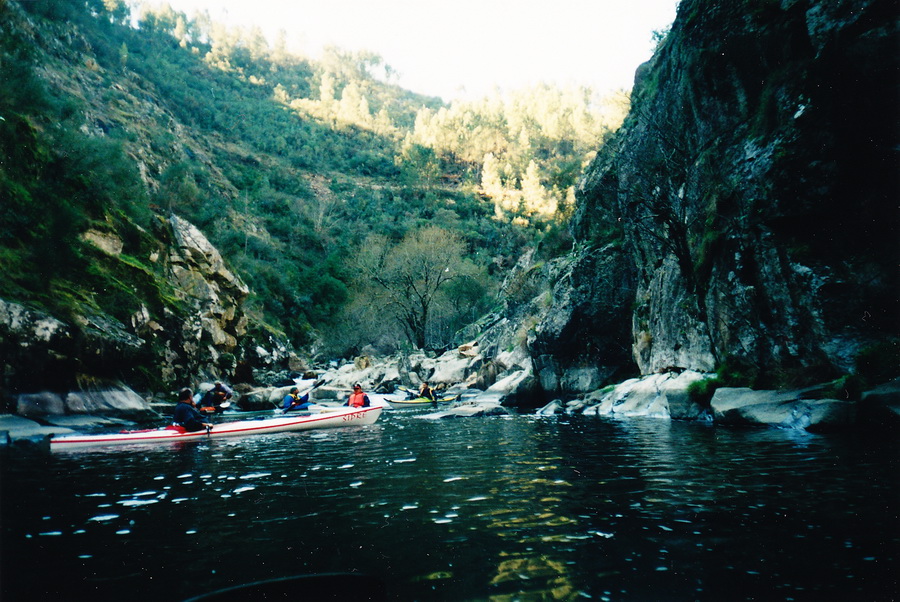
(467, 48)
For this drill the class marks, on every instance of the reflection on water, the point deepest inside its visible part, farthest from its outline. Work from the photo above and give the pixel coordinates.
(503, 508)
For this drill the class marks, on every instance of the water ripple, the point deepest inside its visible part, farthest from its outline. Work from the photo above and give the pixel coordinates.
(470, 510)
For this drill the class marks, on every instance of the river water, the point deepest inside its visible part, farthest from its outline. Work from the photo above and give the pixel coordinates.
(501, 508)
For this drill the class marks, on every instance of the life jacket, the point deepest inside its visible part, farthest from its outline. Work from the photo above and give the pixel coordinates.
(288, 402)
(357, 400)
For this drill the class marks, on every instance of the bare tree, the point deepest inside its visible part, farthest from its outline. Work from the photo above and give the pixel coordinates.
(405, 280)
(323, 209)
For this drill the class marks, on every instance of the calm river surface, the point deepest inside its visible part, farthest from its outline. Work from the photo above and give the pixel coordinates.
(504, 508)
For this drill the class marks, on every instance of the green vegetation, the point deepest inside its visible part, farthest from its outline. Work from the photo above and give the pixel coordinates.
(874, 365)
(732, 372)
(288, 165)
(878, 364)
(702, 391)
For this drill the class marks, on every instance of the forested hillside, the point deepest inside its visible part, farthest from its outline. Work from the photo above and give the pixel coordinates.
(299, 171)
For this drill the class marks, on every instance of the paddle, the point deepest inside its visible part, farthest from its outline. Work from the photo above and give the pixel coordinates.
(410, 393)
(323, 586)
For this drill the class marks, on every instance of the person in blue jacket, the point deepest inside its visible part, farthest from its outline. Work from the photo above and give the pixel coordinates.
(186, 416)
(294, 401)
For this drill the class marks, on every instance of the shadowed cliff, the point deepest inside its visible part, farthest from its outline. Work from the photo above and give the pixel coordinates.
(745, 216)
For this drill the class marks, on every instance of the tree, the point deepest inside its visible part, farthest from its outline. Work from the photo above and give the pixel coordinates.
(419, 164)
(490, 177)
(536, 198)
(118, 11)
(353, 107)
(409, 277)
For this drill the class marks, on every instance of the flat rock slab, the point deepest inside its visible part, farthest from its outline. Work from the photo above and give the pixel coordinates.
(22, 428)
(81, 422)
(468, 410)
(779, 408)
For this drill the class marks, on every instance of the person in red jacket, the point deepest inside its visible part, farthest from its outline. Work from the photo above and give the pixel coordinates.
(358, 399)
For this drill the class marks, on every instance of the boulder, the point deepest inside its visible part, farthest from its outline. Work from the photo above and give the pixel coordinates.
(580, 379)
(30, 328)
(550, 409)
(658, 396)
(43, 403)
(582, 332)
(681, 405)
(516, 387)
(486, 375)
(462, 393)
(576, 405)
(109, 399)
(109, 243)
(640, 397)
(451, 368)
(266, 398)
(120, 400)
(468, 349)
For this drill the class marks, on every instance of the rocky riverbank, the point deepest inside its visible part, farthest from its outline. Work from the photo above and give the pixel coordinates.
(460, 374)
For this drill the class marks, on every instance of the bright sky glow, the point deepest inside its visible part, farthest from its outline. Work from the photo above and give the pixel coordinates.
(467, 48)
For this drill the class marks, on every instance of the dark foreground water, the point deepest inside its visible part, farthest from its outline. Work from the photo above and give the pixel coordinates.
(502, 508)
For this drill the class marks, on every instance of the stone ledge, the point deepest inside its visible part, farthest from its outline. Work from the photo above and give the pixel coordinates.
(785, 409)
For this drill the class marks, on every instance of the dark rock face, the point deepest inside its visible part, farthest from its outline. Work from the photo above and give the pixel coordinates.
(41, 352)
(580, 341)
(753, 190)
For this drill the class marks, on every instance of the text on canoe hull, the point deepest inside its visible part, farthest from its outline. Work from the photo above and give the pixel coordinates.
(353, 416)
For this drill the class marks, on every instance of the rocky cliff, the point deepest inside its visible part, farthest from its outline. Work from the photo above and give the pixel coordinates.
(746, 214)
(189, 326)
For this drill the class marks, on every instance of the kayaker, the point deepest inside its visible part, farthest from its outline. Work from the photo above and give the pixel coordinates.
(358, 399)
(215, 397)
(426, 392)
(186, 416)
(294, 401)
